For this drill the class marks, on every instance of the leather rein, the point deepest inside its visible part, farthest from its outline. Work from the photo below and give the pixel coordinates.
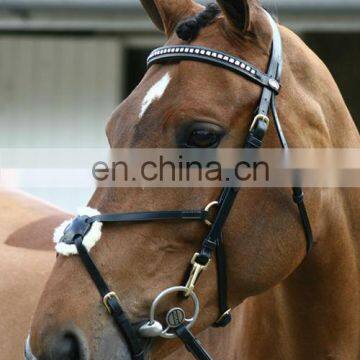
(177, 324)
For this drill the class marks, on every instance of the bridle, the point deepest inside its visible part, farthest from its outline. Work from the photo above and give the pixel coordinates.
(177, 324)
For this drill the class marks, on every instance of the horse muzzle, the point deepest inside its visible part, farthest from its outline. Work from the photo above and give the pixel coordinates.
(65, 346)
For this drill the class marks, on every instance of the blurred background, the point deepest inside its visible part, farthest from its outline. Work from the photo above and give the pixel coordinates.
(66, 64)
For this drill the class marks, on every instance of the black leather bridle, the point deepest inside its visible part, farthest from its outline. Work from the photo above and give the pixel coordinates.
(213, 242)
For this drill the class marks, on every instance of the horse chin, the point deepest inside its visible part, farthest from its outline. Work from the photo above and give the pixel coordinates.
(116, 350)
(112, 346)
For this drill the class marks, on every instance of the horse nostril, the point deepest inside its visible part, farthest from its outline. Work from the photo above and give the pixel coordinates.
(67, 347)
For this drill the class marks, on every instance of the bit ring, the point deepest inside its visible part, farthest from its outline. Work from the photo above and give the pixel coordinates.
(190, 321)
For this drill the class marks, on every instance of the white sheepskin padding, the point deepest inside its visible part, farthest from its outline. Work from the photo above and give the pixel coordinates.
(90, 239)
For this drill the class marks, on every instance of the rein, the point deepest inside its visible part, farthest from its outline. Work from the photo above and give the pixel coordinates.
(177, 325)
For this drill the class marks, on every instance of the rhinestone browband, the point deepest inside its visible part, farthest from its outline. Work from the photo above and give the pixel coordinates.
(191, 52)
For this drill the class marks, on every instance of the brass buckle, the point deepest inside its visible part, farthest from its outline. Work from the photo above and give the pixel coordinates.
(259, 117)
(106, 298)
(196, 270)
(208, 208)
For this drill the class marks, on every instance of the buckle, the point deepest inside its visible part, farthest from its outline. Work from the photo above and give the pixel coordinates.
(260, 117)
(196, 271)
(106, 299)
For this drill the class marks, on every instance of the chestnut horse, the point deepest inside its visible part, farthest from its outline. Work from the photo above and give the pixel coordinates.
(293, 306)
(26, 260)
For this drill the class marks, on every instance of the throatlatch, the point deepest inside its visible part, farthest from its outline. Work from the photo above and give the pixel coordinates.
(75, 235)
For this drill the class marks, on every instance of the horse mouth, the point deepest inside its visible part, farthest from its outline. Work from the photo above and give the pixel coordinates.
(28, 352)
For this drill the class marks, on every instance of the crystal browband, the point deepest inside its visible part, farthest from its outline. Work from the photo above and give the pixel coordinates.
(233, 63)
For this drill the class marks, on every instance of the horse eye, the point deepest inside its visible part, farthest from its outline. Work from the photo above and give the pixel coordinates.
(200, 134)
(203, 138)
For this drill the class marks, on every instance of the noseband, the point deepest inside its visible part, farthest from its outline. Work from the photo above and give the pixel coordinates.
(177, 323)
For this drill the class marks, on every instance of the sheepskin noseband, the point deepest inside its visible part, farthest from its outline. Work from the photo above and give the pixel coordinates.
(64, 245)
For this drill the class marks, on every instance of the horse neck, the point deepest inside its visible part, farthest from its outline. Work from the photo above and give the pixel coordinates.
(316, 311)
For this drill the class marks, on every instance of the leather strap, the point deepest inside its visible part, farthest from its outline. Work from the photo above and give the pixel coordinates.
(274, 69)
(298, 194)
(116, 311)
(298, 197)
(278, 126)
(227, 198)
(151, 216)
(222, 283)
(192, 344)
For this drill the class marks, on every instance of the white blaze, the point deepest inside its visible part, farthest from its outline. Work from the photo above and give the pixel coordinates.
(154, 93)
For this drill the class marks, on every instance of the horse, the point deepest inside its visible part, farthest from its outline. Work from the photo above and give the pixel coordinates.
(288, 303)
(27, 259)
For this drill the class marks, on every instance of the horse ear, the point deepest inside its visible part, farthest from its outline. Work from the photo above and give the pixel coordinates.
(166, 14)
(151, 9)
(238, 13)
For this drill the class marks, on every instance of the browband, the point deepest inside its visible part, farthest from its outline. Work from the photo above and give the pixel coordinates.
(211, 56)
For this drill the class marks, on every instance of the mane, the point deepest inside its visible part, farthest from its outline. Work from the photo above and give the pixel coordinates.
(188, 29)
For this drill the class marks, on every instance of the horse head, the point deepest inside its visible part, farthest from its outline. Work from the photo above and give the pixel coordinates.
(184, 104)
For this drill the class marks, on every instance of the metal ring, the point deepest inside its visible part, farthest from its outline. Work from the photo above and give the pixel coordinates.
(208, 208)
(165, 334)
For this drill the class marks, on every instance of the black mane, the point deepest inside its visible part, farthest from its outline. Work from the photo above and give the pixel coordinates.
(188, 29)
